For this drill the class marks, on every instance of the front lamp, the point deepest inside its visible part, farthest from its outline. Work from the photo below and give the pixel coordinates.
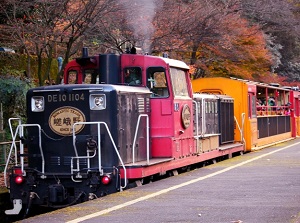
(37, 104)
(97, 102)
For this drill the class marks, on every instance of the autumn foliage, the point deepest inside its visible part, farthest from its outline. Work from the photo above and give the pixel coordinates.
(214, 37)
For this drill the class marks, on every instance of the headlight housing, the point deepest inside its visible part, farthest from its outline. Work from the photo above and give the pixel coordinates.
(37, 104)
(97, 101)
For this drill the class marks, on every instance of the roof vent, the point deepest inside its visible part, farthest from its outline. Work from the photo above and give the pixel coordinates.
(274, 84)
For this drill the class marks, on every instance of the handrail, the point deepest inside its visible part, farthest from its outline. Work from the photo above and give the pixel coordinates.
(40, 145)
(99, 148)
(197, 124)
(241, 129)
(19, 131)
(13, 146)
(14, 136)
(135, 136)
(203, 116)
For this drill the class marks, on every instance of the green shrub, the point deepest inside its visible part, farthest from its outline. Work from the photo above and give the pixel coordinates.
(13, 98)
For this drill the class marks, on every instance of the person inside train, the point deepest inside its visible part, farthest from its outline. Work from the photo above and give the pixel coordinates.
(88, 78)
(72, 77)
(133, 76)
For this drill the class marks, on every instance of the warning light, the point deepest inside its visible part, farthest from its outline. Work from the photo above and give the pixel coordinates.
(19, 179)
(105, 180)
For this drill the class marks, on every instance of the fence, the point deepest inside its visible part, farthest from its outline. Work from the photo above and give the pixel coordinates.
(4, 151)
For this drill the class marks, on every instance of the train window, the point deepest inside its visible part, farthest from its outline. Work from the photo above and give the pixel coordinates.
(157, 82)
(133, 76)
(90, 77)
(216, 107)
(87, 79)
(179, 83)
(209, 107)
(72, 77)
(252, 105)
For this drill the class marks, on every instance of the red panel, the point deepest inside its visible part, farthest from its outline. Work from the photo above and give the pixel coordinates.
(179, 130)
(166, 107)
(143, 171)
(161, 125)
(161, 147)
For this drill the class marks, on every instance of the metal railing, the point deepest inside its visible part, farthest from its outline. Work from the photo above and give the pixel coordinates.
(135, 138)
(77, 157)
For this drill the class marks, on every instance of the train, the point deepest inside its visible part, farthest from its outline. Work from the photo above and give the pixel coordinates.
(267, 113)
(123, 119)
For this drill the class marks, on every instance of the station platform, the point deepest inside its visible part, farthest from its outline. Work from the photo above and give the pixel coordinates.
(258, 187)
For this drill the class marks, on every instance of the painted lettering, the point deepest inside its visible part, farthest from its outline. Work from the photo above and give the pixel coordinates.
(64, 97)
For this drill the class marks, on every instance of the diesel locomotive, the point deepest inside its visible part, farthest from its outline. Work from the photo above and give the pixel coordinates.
(116, 120)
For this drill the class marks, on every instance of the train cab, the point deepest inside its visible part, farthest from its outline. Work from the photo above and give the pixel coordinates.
(170, 101)
(82, 70)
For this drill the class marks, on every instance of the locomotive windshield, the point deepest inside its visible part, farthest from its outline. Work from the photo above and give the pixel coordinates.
(179, 82)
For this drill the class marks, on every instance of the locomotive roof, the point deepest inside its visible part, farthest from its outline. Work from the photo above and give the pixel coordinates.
(171, 62)
(176, 63)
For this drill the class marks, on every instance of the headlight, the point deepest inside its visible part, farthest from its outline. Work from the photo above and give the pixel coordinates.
(97, 101)
(37, 104)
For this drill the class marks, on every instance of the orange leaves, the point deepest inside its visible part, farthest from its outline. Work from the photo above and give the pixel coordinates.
(240, 51)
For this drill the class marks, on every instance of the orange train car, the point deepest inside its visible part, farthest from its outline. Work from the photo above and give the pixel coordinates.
(265, 114)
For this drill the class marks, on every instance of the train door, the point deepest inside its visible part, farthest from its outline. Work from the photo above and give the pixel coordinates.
(295, 120)
(171, 112)
(162, 126)
(297, 115)
(183, 123)
(252, 116)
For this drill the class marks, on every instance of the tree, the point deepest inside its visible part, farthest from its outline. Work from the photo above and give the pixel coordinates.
(12, 95)
(46, 24)
(279, 19)
(232, 37)
(214, 37)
